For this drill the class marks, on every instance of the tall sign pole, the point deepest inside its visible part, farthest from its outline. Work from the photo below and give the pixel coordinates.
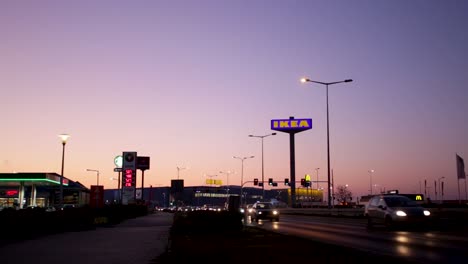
(118, 162)
(143, 163)
(129, 177)
(292, 126)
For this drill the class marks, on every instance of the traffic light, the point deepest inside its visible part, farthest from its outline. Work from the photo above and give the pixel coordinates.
(286, 181)
(255, 181)
(270, 181)
(303, 182)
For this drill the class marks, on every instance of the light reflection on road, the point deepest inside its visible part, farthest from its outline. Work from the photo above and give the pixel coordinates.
(423, 246)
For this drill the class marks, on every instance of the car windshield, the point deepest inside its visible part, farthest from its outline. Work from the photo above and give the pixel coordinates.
(264, 206)
(399, 202)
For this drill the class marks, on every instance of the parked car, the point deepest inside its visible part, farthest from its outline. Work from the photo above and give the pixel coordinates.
(264, 210)
(391, 210)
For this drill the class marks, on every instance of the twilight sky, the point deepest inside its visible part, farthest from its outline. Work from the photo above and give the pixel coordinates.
(186, 82)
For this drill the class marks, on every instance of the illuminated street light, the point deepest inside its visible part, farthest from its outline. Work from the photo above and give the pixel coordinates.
(304, 80)
(263, 173)
(64, 138)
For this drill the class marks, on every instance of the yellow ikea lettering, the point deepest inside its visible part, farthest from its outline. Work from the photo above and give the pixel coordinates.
(304, 123)
(284, 123)
(294, 123)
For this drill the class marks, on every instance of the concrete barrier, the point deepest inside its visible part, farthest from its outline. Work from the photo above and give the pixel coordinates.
(338, 212)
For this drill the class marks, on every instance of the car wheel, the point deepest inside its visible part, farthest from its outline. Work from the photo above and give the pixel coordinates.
(388, 222)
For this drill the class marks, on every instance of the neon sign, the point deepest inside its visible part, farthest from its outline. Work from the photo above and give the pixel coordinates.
(11, 192)
(128, 178)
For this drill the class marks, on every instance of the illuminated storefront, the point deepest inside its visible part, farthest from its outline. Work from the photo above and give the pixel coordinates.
(20, 190)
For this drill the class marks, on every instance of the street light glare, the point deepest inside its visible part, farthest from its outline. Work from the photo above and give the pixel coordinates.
(64, 137)
(303, 80)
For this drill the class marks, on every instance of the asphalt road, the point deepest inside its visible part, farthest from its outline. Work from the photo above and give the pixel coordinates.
(418, 245)
(137, 240)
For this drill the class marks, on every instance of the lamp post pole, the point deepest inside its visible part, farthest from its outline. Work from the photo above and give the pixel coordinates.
(263, 172)
(317, 169)
(303, 80)
(440, 189)
(64, 138)
(227, 184)
(178, 170)
(97, 175)
(370, 178)
(242, 173)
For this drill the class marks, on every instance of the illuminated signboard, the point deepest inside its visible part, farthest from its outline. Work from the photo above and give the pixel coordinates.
(11, 192)
(129, 176)
(291, 125)
(415, 197)
(129, 179)
(129, 167)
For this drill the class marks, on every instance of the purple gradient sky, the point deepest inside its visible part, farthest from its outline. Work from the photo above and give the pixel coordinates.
(186, 82)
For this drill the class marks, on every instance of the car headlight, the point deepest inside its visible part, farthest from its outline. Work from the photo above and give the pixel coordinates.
(250, 210)
(275, 212)
(259, 212)
(242, 210)
(400, 213)
(427, 213)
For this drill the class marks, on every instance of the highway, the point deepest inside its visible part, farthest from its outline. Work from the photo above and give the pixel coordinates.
(432, 245)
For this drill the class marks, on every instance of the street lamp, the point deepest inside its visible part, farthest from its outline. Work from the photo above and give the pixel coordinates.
(97, 175)
(179, 169)
(317, 169)
(370, 177)
(304, 80)
(227, 185)
(227, 179)
(263, 173)
(242, 173)
(64, 138)
(440, 189)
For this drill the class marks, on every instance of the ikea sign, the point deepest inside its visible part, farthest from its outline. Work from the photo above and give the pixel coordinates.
(291, 125)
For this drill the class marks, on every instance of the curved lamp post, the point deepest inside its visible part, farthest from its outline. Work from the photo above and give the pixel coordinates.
(304, 80)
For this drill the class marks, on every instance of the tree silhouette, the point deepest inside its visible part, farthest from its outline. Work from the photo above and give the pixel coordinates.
(343, 194)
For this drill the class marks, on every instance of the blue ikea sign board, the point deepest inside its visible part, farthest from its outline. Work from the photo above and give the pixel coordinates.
(291, 125)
